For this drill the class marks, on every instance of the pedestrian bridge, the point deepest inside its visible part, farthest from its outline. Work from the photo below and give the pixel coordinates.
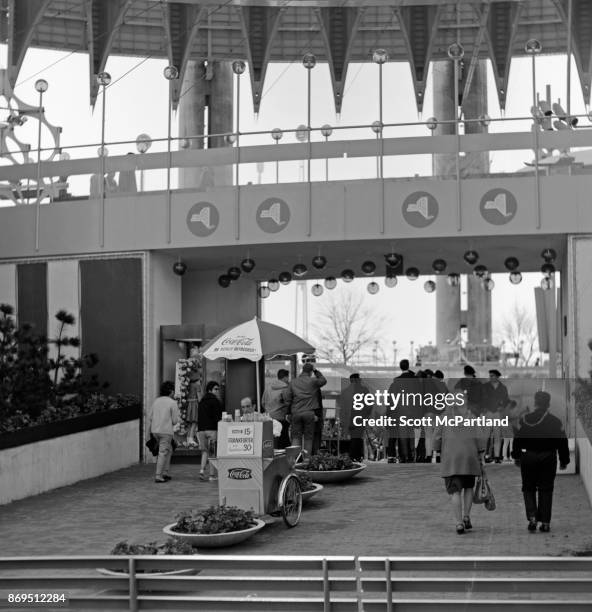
(339, 205)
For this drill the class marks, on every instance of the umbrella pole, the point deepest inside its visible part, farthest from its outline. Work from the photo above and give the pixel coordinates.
(258, 400)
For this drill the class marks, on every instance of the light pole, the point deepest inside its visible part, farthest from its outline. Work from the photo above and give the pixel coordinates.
(238, 67)
(277, 134)
(309, 61)
(394, 352)
(326, 131)
(143, 143)
(103, 79)
(375, 352)
(170, 74)
(456, 53)
(41, 87)
(376, 127)
(379, 57)
(533, 48)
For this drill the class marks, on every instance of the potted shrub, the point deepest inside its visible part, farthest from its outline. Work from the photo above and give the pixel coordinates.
(170, 547)
(308, 488)
(215, 526)
(325, 468)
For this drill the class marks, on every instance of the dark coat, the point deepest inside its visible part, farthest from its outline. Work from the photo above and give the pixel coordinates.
(209, 412)
(542, 431)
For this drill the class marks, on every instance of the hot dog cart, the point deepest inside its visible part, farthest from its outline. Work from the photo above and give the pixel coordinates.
(252, 476)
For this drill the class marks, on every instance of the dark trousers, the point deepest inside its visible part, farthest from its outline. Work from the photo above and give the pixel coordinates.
(538, 476)
(318, 432)
(406, 444)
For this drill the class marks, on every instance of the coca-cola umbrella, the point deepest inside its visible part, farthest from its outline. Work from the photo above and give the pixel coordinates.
(255, 340)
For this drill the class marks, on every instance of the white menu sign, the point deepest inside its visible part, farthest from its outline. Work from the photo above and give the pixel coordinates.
(240, 439)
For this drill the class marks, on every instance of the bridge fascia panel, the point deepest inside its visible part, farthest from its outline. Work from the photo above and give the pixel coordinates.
(342, 211)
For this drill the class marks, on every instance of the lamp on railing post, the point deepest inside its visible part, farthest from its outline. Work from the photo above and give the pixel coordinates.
(533, 48)
(309, 61)
(456, 53)
(277, 134)
(103, 79)
(380, 56)
(326, 131)
(41, 87)
(170, 74)
(238, 67)
(143, 143)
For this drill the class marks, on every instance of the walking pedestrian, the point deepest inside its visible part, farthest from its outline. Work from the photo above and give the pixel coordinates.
(164, 415)
(539, 440)
(273, 403)
(209, 412)
(462, 449)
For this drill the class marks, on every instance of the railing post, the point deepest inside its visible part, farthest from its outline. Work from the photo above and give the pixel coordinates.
(326, 587)
(389, 585)
(133, 586)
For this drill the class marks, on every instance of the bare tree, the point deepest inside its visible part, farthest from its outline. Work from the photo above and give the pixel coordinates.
(519, 332)
(345, 326)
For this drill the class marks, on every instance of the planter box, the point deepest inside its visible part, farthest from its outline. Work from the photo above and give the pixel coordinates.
(47, 431)
(59, 454)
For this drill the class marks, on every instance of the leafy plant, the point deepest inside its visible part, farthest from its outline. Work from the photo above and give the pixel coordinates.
(215, 519)
(171, 547)
(41, 386)
(327, 462)
(306, 483)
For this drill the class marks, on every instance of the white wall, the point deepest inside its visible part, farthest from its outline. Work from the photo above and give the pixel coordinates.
(585, 460)
(8, 284)
(42, 466)
(163, 308)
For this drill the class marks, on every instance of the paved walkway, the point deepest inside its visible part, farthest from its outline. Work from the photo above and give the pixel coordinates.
(389, 509)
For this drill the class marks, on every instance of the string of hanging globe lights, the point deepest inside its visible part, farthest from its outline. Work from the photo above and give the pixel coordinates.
(393, 263)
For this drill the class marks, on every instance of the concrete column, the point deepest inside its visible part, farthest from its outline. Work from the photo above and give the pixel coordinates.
(447, 317)
(206, 107)
(445, 108)
(478, 312)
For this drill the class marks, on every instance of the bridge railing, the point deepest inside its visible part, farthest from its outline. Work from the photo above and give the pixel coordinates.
(397, 150)
(292, 584)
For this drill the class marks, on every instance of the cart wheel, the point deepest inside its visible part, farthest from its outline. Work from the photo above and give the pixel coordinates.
(290, 500)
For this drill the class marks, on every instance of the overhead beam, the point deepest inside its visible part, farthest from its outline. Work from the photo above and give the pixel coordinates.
(181, 23)
(23, 18)
(502, 25)
(104, 18)
(260, 25)
(338, 28)
(581, 30)
(482, 15)
(419, 26)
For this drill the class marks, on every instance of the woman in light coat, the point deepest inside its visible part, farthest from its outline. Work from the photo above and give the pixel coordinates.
(462, 449)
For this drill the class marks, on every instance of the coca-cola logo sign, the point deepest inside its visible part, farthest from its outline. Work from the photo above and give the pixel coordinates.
(239, 473)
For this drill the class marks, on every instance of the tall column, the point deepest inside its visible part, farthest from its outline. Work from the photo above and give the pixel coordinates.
(206, 107)
(448, 315)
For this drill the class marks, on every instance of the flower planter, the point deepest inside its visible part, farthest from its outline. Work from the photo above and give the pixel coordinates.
(215, 540)
(329, 476)
(306, 495)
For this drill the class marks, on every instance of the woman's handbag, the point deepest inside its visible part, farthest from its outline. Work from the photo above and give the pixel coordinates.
(482, 492)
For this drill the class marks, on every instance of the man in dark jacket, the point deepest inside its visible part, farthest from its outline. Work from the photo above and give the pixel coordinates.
(472, 386)
(273, 403)
(302, 399)
(347, 414)
(538, 441)
(209, 412)
(405, 434)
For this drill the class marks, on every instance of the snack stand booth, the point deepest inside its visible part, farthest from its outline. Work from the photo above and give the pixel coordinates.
(252, 476)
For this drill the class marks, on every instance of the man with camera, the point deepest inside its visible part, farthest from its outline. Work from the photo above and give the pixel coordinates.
(302, 400)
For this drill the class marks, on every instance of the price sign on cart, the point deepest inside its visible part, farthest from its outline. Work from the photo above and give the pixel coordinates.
(240, 440)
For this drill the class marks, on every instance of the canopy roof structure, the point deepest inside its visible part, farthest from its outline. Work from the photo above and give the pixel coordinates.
(335, 31)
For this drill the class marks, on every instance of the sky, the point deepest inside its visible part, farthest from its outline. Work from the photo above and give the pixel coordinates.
(137, 103)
